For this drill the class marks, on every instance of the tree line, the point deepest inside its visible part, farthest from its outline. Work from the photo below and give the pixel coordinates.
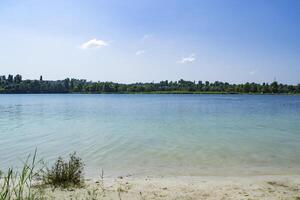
(15, 84)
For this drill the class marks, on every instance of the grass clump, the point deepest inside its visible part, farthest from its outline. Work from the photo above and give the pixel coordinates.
(18, 185)
(63, 173)
(27, 183)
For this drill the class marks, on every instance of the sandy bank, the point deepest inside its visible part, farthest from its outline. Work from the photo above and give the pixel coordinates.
(185, 188)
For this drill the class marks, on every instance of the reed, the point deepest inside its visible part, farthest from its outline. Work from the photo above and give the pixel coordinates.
(18, 185)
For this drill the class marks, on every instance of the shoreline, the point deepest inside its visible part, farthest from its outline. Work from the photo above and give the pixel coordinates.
(185, 188)
(172, 92)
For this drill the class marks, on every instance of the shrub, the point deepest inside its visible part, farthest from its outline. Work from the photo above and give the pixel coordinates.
(65, 173)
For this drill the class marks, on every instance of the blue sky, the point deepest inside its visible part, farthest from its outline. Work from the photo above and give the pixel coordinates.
(152, 40)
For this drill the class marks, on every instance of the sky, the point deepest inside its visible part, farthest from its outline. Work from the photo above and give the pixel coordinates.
(151, 40)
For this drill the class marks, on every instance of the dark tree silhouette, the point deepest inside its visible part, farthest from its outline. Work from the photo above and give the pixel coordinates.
(15, 84)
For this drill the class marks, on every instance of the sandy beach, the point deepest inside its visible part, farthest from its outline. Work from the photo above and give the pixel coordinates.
(184, 188)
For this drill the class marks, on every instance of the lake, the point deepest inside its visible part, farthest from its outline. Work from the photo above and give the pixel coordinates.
(170, 135)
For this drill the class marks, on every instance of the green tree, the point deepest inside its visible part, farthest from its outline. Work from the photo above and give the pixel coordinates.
(10, 78)
(18, 79)
(274, 87)
(67, 84)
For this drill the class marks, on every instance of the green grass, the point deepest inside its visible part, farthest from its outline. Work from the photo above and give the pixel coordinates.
(18, 185)
(63, 173)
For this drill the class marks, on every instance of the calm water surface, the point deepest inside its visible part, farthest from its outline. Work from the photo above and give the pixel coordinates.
(155, 134)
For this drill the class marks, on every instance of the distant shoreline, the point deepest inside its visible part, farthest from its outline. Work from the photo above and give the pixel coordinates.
(15, 84)
(162, 92)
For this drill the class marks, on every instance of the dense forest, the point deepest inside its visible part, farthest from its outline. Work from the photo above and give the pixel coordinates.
(15, 84)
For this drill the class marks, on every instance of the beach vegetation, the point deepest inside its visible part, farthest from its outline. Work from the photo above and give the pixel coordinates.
(65, 173)
(30, 181)
(16, 185)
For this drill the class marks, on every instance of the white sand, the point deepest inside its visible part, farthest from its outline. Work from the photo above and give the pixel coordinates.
(186, 188)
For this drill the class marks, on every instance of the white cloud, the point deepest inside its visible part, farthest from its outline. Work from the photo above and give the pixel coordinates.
(252, 72)
(139, 52)
(93, 44)
(189, 59)
(146, 37)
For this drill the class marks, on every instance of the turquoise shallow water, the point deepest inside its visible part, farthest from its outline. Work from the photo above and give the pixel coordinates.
(156, 134)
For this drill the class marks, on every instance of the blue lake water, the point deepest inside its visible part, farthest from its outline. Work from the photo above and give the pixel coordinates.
(155, 134)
